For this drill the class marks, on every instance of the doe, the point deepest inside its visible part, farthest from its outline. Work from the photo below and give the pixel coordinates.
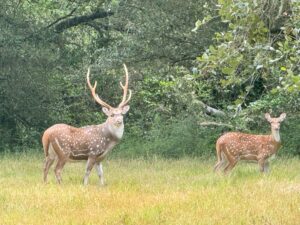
(63, 142)
(235, 146)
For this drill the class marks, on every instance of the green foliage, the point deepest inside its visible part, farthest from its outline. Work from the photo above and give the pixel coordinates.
(249, 59)
(156, 33)
(172, 139)
(248, 65)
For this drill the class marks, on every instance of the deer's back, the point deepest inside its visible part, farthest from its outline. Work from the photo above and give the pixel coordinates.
(67, 136)
(243, 137)
(58, 130)
(81, 142)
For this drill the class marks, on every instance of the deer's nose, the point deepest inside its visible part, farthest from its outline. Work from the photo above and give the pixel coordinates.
(119, 120)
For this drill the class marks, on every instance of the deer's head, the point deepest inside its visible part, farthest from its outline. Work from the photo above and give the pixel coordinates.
(114, 114)
(275, 124)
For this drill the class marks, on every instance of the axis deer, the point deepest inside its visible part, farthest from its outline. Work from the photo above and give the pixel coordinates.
(235, 146)
(63, 142)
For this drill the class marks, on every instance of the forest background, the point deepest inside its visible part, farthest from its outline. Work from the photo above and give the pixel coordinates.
(197, 69)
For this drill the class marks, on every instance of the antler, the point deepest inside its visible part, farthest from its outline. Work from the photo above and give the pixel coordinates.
(125, 89)
(93, 90)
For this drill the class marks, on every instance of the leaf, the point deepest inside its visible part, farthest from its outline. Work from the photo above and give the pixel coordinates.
(238, 101)
(228, 70)
(198, 24)
(283, 68)
(259, 67)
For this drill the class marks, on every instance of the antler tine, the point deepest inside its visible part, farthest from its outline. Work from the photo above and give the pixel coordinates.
(125, 88)
(93, 90)
(128, 98)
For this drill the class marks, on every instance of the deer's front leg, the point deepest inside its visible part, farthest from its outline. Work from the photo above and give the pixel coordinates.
(266, 167)
(100, 172)
(263, 165)
(89, 166)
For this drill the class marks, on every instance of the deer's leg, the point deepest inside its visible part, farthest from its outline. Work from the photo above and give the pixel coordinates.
(232, 161)
(230, 166)
(263, 165)
(218, 165)
(220, 162)
(266, 167)
(58, 168)
(89, 166)
(100, 172)
(220, 156)
(49, 161)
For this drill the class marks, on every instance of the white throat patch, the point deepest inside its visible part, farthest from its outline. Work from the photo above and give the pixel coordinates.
(116, 131)
(276, 135)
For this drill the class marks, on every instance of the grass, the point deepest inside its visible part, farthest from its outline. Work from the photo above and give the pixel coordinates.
(154, 191)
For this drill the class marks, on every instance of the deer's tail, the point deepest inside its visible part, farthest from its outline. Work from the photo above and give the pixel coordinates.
(220, 156)
(45, 142)
(219, 152)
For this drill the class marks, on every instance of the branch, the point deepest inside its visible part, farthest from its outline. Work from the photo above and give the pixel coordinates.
(215, 124)
(213, 111)
(61, 18)
(210, 110)
(75, 21)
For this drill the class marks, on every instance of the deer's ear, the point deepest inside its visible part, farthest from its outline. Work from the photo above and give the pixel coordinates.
(125, 109)
(282, 117)
(106, 111)
(268, 117)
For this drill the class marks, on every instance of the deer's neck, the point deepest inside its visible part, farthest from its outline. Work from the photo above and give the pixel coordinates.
(276, 135)
(115, 132)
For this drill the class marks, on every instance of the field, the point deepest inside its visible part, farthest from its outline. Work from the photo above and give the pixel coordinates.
(152, 191)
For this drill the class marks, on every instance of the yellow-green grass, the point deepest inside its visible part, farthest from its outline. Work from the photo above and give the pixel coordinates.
(155, 191)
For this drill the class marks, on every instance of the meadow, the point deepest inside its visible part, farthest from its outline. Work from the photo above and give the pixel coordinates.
(149, 191)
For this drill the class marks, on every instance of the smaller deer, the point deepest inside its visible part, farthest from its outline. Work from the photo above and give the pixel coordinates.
(63, 143)
(235, 146)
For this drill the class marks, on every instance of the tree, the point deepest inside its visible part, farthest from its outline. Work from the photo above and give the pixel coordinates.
(258, 53)
(33, 84)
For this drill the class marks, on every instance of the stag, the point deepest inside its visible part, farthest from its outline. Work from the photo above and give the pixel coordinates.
(63, 143)
(235, 146)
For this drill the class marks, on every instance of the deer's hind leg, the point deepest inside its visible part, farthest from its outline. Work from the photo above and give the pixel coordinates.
(58, 169)
(221, 158)
(50, 158)
(232, 161)
(230, 166)
(221, 162)
(62, 155)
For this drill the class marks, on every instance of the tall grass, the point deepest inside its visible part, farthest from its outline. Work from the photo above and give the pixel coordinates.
(152, 191)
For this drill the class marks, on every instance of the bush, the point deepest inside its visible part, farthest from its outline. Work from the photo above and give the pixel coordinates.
(171, 140)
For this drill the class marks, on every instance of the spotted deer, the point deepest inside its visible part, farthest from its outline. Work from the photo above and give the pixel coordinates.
(235, 146)
(63, 143)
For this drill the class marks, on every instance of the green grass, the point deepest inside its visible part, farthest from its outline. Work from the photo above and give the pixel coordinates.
(153, 191)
